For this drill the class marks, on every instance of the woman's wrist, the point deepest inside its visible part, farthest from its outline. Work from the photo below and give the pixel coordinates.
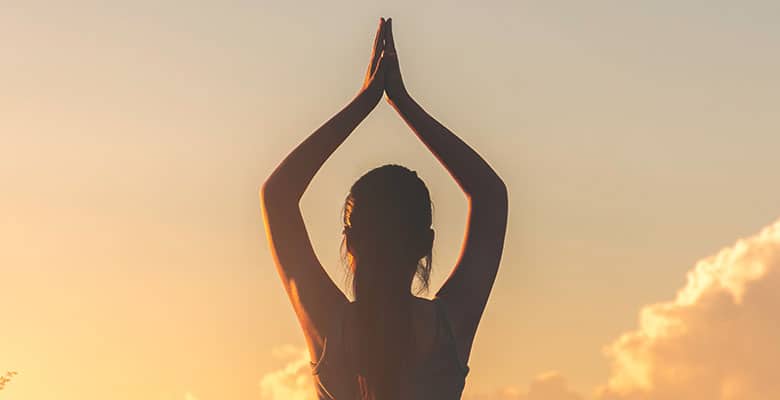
(398, 95)
(369, 96)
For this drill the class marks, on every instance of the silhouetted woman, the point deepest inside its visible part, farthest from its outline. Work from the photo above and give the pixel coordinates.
(388, 344)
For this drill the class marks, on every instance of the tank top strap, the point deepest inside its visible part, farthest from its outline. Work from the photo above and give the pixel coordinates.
(443, 321)
(337, 330)
(333, 337)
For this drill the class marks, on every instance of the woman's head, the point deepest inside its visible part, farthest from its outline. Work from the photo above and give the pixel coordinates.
(387, 230)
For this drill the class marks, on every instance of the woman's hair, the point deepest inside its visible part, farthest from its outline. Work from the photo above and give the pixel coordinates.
(387, 241)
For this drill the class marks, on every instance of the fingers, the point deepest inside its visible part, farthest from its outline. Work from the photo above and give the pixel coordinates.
(379, 39)
(380, 67)
(389, 41)
(379, 43)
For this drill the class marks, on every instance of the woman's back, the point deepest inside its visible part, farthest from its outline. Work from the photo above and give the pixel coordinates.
(437, 372)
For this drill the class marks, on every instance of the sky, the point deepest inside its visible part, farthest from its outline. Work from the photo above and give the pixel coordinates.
(637, 139)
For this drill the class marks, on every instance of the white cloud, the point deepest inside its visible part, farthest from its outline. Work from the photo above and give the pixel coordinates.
(550, 386)
(717, 340)
(547, 386)
(291, 382)
(189, 396)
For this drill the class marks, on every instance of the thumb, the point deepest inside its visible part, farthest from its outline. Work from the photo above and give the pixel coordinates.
(381, 65)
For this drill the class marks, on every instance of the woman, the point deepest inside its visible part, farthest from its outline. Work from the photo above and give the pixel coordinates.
(388, 344)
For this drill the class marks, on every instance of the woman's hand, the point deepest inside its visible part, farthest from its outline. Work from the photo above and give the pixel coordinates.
(375, 77)
(394, 84)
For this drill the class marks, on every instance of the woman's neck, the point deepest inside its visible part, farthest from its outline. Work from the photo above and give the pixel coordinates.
(381, 278)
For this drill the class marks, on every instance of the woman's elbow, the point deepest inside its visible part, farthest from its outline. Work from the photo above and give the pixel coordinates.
(270, 193)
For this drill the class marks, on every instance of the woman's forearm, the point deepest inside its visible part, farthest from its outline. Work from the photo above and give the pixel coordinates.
(472, 173)
(290, 179)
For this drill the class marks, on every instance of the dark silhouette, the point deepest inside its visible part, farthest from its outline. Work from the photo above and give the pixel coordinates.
(388, 344)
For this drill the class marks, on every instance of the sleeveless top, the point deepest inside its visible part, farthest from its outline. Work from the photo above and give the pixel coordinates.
(441, 376)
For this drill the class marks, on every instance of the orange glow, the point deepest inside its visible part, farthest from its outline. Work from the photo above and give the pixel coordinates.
(134, 138)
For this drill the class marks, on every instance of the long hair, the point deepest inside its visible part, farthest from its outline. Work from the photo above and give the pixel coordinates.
(387, 241)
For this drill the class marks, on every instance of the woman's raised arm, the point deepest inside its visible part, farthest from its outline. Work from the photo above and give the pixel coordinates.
(313, 294)
(466, 291)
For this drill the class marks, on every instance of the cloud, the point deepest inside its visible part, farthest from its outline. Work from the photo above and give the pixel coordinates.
(291, 382)
(550, 386)
(547, 386)
(717, 340)
(189, 396)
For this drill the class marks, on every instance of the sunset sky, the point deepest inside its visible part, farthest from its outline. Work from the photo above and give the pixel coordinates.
(636, 138)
